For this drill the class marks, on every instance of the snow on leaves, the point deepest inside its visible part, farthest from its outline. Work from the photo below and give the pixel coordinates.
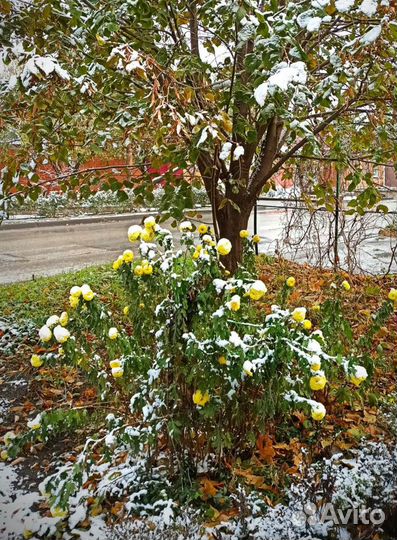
(39, 66)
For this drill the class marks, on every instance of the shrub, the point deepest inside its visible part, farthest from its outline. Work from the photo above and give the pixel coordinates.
(203, 363)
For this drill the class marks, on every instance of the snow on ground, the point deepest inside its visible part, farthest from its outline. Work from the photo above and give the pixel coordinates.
(367, 478)
(19, 511)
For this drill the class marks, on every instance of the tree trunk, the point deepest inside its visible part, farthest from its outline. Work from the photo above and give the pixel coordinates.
(231, 222)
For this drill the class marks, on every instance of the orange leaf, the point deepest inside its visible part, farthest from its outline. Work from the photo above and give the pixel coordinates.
(265, 448)
(209, 488)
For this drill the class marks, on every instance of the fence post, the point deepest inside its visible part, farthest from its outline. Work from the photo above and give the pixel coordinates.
(256, 226)
(337, 195)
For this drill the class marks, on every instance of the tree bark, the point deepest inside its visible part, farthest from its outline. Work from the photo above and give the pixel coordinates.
(230, 223)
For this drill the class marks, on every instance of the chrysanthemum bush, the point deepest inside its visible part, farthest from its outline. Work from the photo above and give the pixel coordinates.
(201, 364)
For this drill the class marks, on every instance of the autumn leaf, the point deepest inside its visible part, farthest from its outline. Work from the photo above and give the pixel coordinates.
(265, 448)
(209, 488)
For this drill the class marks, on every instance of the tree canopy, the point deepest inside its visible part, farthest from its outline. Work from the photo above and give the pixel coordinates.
(236, 90)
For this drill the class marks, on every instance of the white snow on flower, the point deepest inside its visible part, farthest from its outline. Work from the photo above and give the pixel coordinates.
(369, 7)
(372, 35)
(343, 6)
(45, 333)
(260, 93)
(225, 152)
(52, 321)
(360, 372)
(42, 65)
(85, 289)
(248, 368)
(35, 423)
(185, 226)
(61, 334)
(238, 152)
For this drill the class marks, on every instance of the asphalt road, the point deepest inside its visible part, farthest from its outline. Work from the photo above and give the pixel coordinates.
(32, 251)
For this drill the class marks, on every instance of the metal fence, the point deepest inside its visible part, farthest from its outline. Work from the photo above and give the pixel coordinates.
(329, 239)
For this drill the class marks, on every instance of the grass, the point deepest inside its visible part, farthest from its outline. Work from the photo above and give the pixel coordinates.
(37, 299)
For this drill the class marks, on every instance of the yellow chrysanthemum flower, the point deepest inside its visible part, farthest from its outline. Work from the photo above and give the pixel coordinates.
(45, 334)
(138, 270)
(202, 228)
(115, 363)
(248, 368)
(75, 291)
(244, 233)
(256, 239)
(257, 290)
(299, 314)
(113, 333)
(147, 269)
(317, 382)
(118, 263)
(63, 318)
(291, 282)
(8, 437)
(61, 334)
(87, 293)
(316, 366)
(58, 512)
(393, 295)
(36, 361)
(117, 372)
(128, 255)
(235, 303)
(134, 232)
(186, 226)
(147, 235)
(201, 399)
(359, 376)
(318, 412)
(224, 246)
(307, 324)
(74, 301)
(149, 222)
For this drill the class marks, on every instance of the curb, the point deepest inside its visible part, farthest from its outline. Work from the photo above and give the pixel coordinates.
(103, 218)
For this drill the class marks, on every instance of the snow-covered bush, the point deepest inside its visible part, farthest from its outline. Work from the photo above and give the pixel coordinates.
(200, 367)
